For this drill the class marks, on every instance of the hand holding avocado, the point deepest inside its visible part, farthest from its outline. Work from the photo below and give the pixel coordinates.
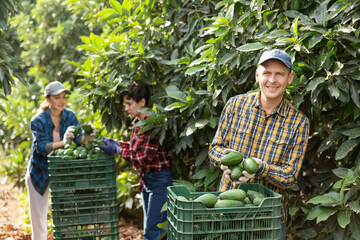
(237, 168)
(251, 167)
(69, 135)
(110, 146)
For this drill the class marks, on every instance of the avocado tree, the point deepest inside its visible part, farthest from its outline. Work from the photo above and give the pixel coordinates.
(9, 63)
(197, 54)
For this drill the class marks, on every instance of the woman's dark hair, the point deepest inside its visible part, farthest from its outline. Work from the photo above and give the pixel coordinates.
(137, 91)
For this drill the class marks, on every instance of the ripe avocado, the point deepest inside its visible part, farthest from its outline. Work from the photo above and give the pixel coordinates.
(257, 201)
(228, 203)
(253, 194)
(207, 199)
(232, 159)
(87, 128)
(236, 173)
(233, 194)
(250, 165)
(77, 130)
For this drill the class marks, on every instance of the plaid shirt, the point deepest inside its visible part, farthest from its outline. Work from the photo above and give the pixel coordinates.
(144, 153)
(278, 139)
(42, 129)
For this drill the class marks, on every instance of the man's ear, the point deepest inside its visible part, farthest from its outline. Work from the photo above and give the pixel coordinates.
(143, 102)
(291, 77)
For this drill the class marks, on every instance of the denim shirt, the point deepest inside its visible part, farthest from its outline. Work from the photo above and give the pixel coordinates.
(42, 129)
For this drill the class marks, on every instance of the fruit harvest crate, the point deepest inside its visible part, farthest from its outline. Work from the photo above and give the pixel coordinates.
(84, 207)
(76, 174)
(105, 231)
(83, 198)
(192, 220)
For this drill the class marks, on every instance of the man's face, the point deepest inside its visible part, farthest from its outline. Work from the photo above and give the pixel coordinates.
(132, 107)
(273, 77)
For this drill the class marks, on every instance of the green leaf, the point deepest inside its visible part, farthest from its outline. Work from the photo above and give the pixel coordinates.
(343, 218)
(250, 47)
(201, 157)
(174, 106)
(315, 39)
(201, 123)
(354, 226)
(321, 213)
(147, 128)
(210, 178)
(334, 91)
(323, 199)
(227, 57)
(100, 91)
(164, 207)
(321, 12)
(354, 95)
(355, 205)
(294, 27)
(196, 69)
(202, 174)
(176, 94)
(346, 148)
(313, 84)
(230, 12)
(115, 4)
(355, 133)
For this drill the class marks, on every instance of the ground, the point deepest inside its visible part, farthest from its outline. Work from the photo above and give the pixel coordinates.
(12, 218)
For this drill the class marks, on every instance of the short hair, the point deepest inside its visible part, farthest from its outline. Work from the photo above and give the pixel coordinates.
(137, 91)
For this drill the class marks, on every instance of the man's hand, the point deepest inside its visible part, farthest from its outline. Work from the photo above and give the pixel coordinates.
(69, 135)
(111, 146)
(226, 169)
(227, 150)
(109, 140)
(90, 136)
(247, 176)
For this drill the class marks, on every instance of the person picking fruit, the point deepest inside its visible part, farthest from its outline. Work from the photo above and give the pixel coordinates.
(148, 158)
(266, 129)
(52, 127)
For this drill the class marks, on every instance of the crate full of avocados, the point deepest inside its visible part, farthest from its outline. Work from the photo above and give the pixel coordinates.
(81, 167)
(251, 211)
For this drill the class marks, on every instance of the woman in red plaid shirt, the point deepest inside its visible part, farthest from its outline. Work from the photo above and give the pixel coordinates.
(150, 161)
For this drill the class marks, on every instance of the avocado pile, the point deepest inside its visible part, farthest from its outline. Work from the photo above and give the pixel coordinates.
(72, 151)
(233, 161)
(229, 198)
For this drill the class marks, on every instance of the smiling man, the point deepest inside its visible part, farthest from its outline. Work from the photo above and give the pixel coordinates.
(266, 127)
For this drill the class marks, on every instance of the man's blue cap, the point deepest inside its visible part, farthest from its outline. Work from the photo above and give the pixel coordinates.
(276, 54)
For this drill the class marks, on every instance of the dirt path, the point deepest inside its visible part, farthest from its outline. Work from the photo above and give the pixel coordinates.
(12, 219)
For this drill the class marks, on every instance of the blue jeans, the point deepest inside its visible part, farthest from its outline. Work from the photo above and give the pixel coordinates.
(283, 232)
(153, 199)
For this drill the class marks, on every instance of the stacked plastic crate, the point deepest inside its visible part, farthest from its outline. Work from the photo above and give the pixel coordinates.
(190, 220)
(83, 197)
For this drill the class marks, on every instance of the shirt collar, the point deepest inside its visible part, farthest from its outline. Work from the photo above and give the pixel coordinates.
(280, 109)
(136, 120)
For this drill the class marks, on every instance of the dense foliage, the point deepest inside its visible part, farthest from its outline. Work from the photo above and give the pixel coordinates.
(196, 55)
(9, 63)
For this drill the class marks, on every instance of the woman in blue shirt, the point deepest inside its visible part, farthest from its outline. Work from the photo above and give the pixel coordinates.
(52, 128)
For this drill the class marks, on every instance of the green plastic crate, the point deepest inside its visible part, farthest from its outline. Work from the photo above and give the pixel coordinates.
(84, 208)
(79, 174)
(192, 220)
(104, 231)
(82, 199)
